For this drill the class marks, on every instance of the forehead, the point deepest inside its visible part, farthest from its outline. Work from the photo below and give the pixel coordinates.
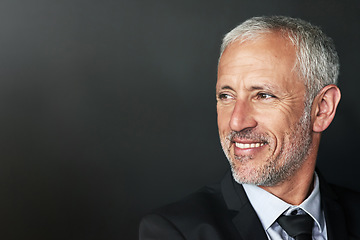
(271, 58)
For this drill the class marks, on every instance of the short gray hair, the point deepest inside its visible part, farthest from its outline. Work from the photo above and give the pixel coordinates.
(317, 61)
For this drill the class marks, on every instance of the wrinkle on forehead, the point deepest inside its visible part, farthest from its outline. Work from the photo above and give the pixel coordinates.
(260, 60)
(280, 47)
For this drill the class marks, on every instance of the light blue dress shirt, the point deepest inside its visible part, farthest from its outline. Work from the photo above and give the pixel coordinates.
(269, 207)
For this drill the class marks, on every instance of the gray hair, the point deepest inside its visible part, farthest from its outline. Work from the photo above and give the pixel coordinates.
(317, 62)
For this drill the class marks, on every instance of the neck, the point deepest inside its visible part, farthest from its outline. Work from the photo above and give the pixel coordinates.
(296, 189)
(299, 186)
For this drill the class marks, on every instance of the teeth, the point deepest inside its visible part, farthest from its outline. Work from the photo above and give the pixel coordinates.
(247, 145)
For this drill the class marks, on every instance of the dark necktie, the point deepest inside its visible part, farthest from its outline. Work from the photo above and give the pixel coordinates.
(297, 226)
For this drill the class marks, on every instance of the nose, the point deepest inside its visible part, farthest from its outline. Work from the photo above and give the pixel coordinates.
(242, 116)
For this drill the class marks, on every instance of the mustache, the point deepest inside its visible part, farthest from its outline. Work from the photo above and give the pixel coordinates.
(248, 134)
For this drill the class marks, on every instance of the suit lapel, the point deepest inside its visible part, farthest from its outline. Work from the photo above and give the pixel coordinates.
(249, 226)
(334, 215)
(245, 218)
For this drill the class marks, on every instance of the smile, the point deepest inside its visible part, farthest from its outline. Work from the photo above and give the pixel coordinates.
(248, 145)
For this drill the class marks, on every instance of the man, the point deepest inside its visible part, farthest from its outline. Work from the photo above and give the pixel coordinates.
(276, 93)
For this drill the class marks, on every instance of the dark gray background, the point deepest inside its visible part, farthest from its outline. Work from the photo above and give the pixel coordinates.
(108, 107)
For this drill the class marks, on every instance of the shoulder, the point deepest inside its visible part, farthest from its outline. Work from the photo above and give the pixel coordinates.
(345, 194)
(346, 211)
(349, 200)
(197, 205)
(203, 212)
(203, 206)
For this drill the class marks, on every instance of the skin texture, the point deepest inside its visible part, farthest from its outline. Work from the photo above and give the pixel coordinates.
(267, 136)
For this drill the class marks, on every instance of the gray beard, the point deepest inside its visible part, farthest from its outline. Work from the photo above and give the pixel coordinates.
(274, 171)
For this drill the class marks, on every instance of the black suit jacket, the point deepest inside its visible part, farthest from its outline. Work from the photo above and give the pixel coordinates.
(224, 212)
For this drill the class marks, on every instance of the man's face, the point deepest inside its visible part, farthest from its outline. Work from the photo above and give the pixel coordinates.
(264, 129)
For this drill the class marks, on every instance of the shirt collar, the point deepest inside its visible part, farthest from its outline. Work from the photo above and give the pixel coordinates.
(269, 207)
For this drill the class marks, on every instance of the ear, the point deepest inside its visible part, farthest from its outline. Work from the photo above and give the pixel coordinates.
(324, 107)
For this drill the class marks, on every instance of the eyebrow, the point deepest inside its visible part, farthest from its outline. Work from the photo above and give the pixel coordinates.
(226, 87)
(255, 87)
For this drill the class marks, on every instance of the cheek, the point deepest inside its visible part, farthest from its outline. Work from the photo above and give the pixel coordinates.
(276, 122)
(279, 119)
(280, 127)
(223, 119)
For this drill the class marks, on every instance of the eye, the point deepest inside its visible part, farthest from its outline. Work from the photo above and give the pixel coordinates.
(262, 95)
(224, 96)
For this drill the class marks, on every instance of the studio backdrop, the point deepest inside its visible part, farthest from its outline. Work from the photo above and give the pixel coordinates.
(107, 108)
